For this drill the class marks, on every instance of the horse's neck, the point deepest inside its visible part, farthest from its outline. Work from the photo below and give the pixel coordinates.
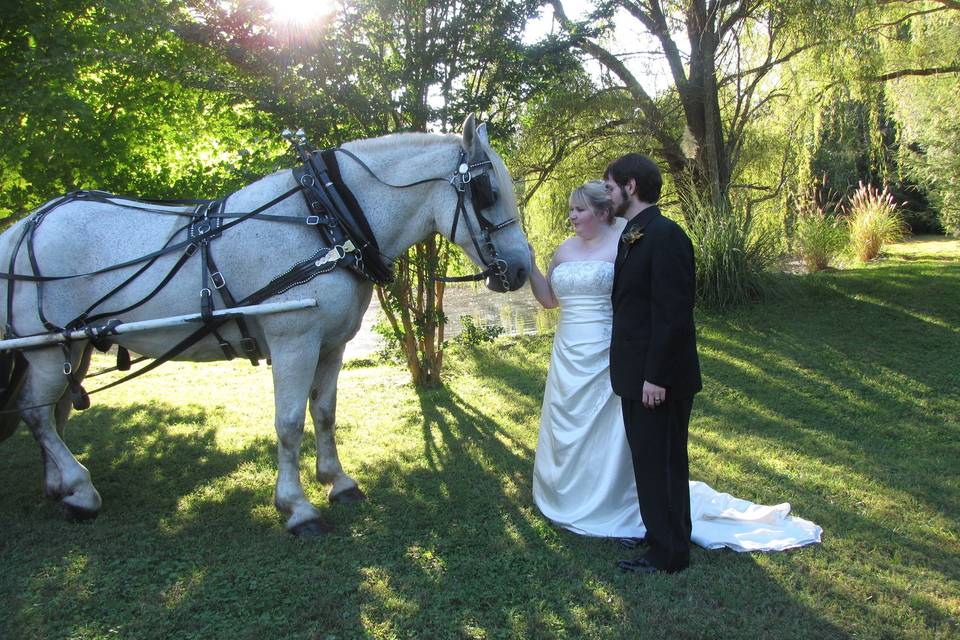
(400, 218)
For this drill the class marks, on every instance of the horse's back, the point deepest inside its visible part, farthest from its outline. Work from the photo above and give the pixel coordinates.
(84, 236)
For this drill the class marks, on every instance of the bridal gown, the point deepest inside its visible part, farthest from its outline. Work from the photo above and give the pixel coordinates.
(583, 474)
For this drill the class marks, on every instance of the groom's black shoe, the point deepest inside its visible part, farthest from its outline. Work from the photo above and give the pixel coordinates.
(640, 565)
(632, 543)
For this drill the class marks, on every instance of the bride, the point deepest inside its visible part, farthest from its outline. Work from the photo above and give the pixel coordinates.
(583, 477)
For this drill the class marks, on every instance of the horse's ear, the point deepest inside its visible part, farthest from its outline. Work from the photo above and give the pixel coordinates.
(482, 134)
(469, 134)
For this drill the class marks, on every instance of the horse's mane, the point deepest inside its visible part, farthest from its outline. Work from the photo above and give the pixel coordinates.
(413, 138)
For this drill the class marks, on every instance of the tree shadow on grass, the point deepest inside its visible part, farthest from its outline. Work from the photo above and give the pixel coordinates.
(863, 412)
(872, 399)
(454, 547)
(188, 543)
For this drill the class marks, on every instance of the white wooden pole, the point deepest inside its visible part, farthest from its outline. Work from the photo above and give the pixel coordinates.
(159, 323)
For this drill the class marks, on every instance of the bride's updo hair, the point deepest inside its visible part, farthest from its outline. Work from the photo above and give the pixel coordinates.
(594, 195)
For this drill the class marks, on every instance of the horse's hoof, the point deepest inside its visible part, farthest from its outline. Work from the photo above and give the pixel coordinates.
(311, 529)
(79, 514)
(348, 496)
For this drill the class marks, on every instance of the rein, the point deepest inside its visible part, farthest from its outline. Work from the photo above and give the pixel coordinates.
(481, 197)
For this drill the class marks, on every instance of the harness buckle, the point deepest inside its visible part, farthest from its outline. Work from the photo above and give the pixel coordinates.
(250, 347)
(313, 220)
(228, 352)
(191, 249)
(67, 368)
(217, 279)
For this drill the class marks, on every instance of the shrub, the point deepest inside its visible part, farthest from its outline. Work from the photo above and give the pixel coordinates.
(949, 203)
(733, 254)
(391, 345)
(818, 236)
(474, 333)
(874, 221)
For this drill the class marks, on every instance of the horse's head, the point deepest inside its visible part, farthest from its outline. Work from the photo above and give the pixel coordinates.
(486, 221)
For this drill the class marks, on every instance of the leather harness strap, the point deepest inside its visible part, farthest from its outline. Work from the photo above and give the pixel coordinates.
(345, 237)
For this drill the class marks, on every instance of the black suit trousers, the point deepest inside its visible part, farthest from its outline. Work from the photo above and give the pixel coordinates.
(658, 444)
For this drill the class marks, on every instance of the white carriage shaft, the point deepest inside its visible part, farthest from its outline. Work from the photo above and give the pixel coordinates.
(159, 323)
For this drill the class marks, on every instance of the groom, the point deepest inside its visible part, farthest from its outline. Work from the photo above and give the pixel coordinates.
(653, 358)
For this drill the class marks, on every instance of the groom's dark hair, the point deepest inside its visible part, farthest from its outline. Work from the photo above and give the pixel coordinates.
(644, 172)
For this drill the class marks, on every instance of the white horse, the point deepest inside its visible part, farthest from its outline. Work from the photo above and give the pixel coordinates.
(305, 347)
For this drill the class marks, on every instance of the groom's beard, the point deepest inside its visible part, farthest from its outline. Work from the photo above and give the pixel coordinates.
(621, 209)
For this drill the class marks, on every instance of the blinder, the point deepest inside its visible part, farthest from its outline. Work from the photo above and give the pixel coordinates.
(482, 194)
(483, 197)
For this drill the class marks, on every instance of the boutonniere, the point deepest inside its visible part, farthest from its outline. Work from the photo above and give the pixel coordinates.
(632, 235)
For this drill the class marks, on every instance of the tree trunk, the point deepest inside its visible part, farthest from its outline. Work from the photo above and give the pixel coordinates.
(413, 305)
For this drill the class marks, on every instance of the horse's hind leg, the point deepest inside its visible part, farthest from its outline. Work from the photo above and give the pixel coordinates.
(80, 367)
(51, 472)
(64, 477)
(294, 363)
(323, 409)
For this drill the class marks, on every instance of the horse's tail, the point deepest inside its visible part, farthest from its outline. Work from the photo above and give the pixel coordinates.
(13, 370)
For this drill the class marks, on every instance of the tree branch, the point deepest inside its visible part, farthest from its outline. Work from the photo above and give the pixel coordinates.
(950, 4)
(649, 108)
(929, 71)
(910, 15)
(655, 22)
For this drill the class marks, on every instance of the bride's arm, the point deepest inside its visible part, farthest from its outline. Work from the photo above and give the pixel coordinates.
(540, 285)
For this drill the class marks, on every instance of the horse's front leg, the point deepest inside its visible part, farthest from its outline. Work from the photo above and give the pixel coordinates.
(323, 410)
(294, 363)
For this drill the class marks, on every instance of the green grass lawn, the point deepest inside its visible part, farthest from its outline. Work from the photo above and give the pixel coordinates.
(841, 398)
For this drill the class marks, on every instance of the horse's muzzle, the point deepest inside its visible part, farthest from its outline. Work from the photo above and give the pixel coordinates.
(514, 276)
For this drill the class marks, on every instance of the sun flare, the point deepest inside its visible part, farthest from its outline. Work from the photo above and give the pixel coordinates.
(296, 12)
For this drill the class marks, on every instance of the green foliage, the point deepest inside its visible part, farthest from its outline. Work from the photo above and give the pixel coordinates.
(928, 106)
(818, 234)
(733, 253)
(873, 220)
(391, 347)
(930, 149)
(474, 333)
(820, 239)
(106, 96)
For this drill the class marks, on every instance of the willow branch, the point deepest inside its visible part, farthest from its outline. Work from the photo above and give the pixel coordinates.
(929, 71)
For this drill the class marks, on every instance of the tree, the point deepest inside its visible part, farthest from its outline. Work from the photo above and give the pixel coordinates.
(724, 72)
(918, 66)
(377, 67)
(92, 98)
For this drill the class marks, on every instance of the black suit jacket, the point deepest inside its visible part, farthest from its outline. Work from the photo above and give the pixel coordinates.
(654, 286)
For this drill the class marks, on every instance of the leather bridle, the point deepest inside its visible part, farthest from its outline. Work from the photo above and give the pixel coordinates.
(482, 197)
(479, 188)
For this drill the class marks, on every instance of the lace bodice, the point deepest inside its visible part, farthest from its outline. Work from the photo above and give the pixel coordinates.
(582, 288)
(582, 277)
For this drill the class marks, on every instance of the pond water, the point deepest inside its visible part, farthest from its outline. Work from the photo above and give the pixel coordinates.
(517, 312)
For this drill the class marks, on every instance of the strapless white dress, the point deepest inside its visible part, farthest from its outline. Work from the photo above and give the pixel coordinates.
(583, 473)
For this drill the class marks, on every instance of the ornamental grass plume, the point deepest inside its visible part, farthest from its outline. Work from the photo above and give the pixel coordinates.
(818, 234)
(873, 220)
